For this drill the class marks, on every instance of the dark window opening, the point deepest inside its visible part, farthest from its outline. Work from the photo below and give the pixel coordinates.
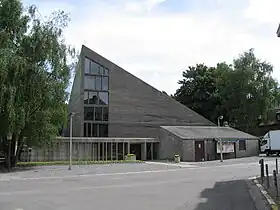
(89, 129)
(103, 130)
(98, 113)
(242, 145)
(105, 113)
(88, 113)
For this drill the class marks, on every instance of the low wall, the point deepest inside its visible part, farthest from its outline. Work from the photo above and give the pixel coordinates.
(91, 149)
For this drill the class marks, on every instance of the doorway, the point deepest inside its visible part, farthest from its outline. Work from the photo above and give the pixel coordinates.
(199, 151)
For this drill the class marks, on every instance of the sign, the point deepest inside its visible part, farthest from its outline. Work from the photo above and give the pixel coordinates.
(228, 147)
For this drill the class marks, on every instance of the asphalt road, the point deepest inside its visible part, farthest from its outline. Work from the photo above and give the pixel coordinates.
(207, 186)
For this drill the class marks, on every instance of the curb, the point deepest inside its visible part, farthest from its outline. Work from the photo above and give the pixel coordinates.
(271, 202)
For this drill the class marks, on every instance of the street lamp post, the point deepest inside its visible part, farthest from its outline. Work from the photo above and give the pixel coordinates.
(220, 139)
(278, 31)
(70, 144)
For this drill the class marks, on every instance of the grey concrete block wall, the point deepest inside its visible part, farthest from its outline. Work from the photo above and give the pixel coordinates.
(188, 150)
(169, 145)
(252, 149)
(133, 103)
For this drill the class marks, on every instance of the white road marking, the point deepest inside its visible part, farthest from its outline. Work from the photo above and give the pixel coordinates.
(265, 194)
(181, 165)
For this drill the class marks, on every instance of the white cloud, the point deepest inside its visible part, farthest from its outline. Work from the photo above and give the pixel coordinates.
(158, 46)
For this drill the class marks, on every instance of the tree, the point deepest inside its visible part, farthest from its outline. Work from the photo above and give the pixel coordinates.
(34, 75)
(241, 92)
(198, 90)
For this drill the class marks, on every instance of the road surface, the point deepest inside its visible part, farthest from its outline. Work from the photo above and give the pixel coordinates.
(155, 186)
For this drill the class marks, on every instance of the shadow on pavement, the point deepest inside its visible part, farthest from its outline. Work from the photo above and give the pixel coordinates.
(233, 195)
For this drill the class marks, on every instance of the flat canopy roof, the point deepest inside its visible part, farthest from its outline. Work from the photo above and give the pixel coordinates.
(208, 132)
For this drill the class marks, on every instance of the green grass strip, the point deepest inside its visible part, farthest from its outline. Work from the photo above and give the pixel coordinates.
(82, 162)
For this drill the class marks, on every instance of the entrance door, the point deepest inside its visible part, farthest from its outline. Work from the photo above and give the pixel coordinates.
(199, 151)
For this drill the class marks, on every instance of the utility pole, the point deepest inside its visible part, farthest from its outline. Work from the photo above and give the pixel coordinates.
(220, 139)
(70, 144)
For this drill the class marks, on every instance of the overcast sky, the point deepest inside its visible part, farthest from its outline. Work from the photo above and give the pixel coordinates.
(157, 39)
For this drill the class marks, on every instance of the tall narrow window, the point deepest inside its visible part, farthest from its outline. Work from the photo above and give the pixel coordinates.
(242, 144)
(103, 130)
(89, 130)
(98, 83)
(105, 114)
(98, 113)
(105, 83)
(87, 66)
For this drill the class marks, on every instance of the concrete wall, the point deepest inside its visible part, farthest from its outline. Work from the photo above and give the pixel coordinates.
(76, 101)
(136, 109)
(169, 145)
(252, 149)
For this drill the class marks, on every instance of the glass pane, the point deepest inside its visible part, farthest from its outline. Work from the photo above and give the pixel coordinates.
(93, 98)
(94, 130)
(87, 65)
(89, 83)
(98, 83)
(100, 70)
(105, 113)
(89, 130)
(85, 129)
(106, 72)
(88, 113)
(103, 130)
(103, 98)
(94, 68)
(104, 83)
(98, 113)
(85, 97)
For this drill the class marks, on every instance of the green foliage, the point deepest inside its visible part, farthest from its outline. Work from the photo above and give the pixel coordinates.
(29, 164)
(34, 74)
(241, 92)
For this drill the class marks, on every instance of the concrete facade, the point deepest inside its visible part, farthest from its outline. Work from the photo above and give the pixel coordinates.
(173, 143)
(92, 149)
(136, 109)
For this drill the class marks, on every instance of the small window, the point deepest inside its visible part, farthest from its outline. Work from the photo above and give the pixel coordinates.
(98, 113)
(98, 83)
(242, 145)
(89, 83)
(88, 113)
(94, 68)
(103, 98)
(105, 83)
(93, 98)
(105, 113)
(87, 66)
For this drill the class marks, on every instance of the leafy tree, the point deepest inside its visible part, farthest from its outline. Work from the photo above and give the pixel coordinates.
(34, 75)
(241, 92)
(198, 90)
